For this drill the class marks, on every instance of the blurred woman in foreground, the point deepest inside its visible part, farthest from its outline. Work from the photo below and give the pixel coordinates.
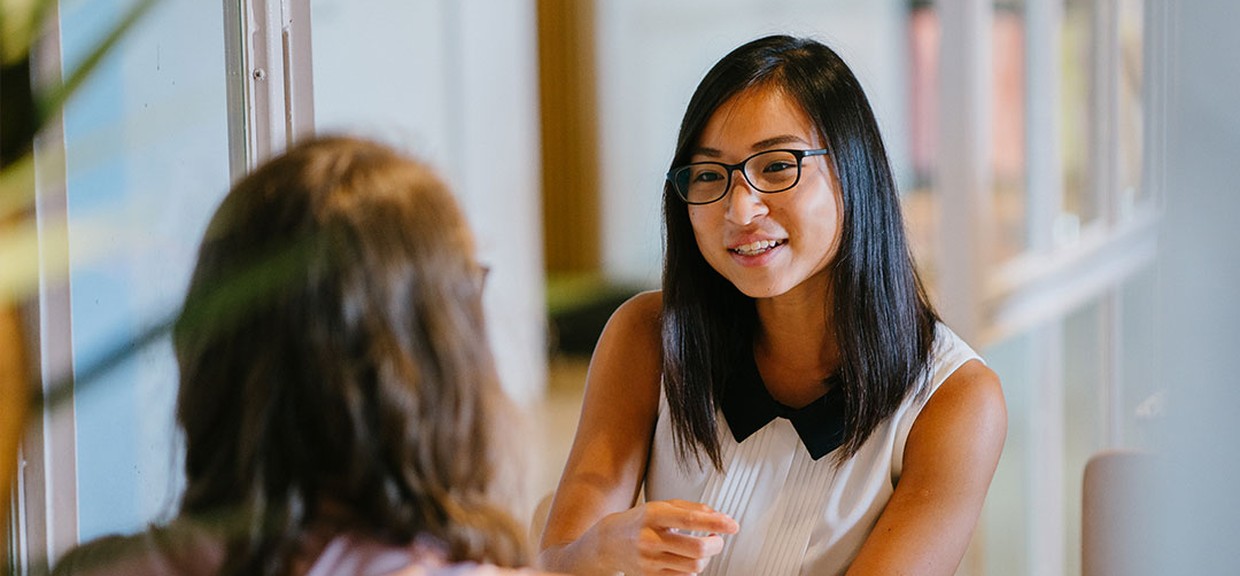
(337, 394)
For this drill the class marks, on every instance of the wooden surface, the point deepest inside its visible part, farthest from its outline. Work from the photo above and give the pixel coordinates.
(570, 162)
(13, 400)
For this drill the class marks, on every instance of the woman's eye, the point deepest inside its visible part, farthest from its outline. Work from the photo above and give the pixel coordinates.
(779, 166)
(707, 176)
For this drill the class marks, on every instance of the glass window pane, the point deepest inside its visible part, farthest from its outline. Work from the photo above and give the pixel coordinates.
(1008, 118)
(1006, 519)
(1142, 394)
(1008, 129)
(1084, 346)
(147, 161)
(918, 198)
(1007, 123)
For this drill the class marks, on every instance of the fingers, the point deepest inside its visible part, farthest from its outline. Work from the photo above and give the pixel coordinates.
(663, 547)
(692, 546)
(657, 540)
(671, 564)
(691, 517)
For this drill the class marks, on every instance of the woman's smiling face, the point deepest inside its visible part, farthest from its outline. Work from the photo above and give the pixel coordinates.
(768, 245)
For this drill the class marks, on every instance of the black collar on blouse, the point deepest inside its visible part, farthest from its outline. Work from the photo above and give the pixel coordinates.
(748, 406)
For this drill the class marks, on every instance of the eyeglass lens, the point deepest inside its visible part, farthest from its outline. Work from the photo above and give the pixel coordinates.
(772, 171)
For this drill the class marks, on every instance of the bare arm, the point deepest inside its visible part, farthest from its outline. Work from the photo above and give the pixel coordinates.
(593, 526)
(951, 455)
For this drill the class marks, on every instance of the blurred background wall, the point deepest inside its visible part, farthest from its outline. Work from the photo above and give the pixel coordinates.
(1199, 275)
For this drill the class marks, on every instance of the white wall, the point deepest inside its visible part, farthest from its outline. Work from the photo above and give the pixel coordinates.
(455, 83)
(1199, 274)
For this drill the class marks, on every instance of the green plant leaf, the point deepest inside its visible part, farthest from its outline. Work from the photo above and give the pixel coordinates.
(53, 98)
(20, 23)
(232, 300)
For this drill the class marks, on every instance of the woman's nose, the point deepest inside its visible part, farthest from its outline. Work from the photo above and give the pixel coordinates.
(744, 203)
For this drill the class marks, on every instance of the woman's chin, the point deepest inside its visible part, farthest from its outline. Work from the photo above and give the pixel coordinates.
(759, 290)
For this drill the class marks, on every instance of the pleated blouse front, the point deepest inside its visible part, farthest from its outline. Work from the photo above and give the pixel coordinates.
(797, 515)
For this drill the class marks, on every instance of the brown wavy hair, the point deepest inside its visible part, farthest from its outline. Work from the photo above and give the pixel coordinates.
(334, 365)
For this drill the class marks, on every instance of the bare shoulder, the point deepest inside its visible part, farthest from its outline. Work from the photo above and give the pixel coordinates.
(633, 332)
(641, 313)
(182, 547)
(972, 391)
(630, 348)
(965, 417)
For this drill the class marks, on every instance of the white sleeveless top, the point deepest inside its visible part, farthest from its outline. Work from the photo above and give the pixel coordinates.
(797, 515)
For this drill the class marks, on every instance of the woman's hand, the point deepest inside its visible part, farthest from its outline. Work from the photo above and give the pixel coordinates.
(654, 538)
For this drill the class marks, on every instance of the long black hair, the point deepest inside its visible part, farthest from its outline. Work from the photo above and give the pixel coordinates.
(884, 322)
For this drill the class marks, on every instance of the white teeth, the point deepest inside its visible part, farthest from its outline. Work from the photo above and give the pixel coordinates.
(755, 248)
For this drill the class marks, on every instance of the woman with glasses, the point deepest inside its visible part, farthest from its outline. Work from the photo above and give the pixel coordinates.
(339, 403)
(789, 402)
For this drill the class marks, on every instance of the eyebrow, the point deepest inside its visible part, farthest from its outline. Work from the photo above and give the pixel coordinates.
(759, 145)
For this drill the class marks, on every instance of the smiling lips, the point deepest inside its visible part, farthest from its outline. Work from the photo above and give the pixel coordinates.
(757, 248)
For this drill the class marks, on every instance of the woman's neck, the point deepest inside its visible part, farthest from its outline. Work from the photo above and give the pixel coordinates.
(795, 345)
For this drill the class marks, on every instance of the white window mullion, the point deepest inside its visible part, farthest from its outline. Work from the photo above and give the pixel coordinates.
(1044, 201)
(48, 465)
(1043, 98)
(1047, 548)
(1110, 392)
(236, 27)
(1157, 81)
(1104, 130)
(1104, 157)
(298, 69)
(964, 174)
(271, 90)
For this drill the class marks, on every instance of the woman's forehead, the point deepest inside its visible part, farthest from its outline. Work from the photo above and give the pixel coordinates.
(757, 118)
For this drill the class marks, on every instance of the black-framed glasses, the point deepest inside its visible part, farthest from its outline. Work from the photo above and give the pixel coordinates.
(769, 171)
